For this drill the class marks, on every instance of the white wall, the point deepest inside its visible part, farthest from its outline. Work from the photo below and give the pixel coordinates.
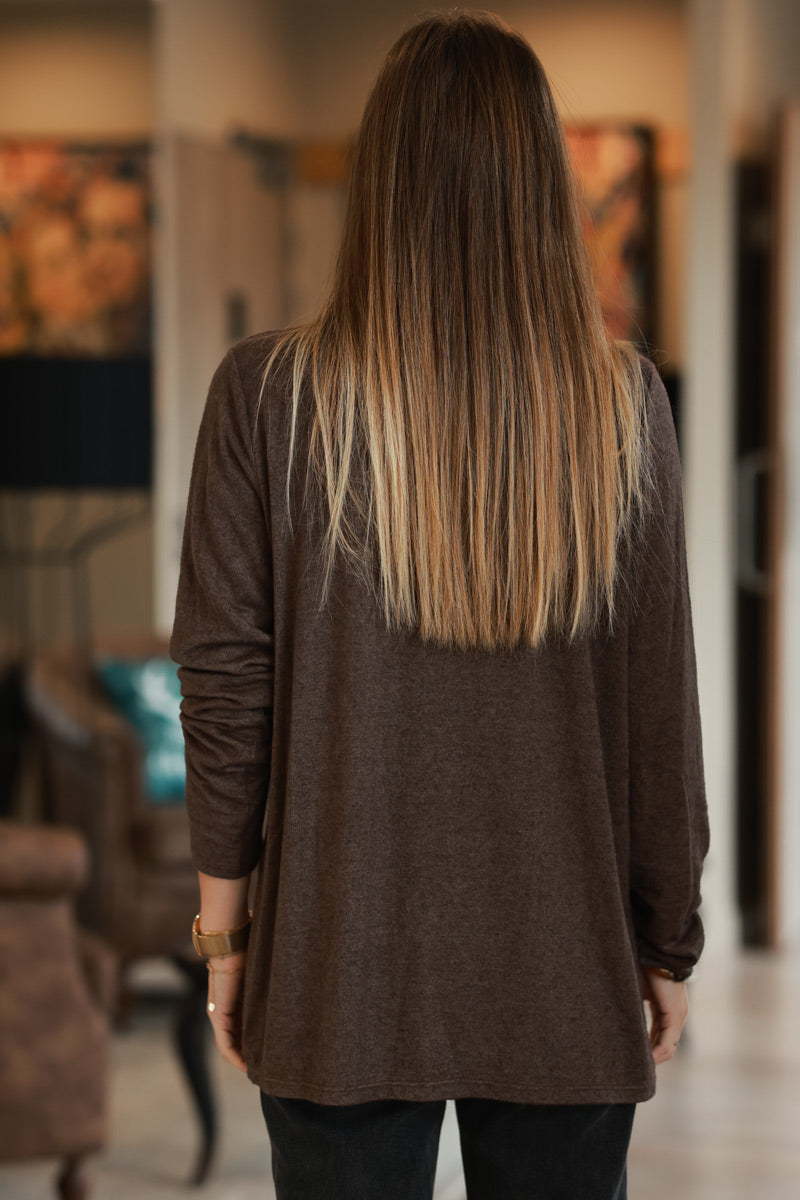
(610, 58)
(708, 438)
(221, 64)
(218, 67)
(765, 65)
(75, 69)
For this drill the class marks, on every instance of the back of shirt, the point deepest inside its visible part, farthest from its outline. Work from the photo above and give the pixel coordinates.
(464, 856)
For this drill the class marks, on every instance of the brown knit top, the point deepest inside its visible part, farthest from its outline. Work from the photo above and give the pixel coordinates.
(461, 856)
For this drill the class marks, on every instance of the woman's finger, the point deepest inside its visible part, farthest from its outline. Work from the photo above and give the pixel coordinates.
(228, 1046)
(225, 995)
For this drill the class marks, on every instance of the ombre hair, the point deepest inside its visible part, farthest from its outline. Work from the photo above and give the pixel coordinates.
(479, 440)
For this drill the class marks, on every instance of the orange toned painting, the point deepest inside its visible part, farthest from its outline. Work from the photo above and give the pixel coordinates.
(614, 167)
(75, 276)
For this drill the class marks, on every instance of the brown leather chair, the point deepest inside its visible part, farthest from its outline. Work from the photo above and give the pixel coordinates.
(142, 892)
(56, 990)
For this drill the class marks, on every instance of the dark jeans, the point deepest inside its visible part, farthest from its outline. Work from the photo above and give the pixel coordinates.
(387, 1149)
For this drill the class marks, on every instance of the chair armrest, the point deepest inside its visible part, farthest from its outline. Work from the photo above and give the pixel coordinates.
(89, 747)
(41, 862)
(91, 771)
(66, 699)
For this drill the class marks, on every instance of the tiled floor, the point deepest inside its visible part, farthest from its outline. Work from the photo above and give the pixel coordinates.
(723, 1126)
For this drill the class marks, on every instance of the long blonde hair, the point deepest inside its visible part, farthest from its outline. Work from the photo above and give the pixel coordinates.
(480, 441)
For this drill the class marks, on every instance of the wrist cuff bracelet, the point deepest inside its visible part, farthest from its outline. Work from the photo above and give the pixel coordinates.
(221, 942)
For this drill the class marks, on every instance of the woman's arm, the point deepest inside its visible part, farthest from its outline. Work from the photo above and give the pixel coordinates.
(222, 636)
(222, 640)
(668, 814)
(223, 902)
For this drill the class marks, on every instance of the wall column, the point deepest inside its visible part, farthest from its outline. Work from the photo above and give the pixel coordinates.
(708, 425)
(218, 67)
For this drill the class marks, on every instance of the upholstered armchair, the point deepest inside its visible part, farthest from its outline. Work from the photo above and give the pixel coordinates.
(142, 890)
(56, 989)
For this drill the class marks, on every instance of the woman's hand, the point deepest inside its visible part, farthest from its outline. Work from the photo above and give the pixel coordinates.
(669, 1006)
(223, 905)
(225, 995)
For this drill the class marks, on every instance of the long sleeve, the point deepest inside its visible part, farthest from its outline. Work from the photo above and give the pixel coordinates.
(222, 637)
(669, 822)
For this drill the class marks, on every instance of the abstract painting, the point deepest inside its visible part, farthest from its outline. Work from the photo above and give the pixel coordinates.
(75, 235)
(614, 165)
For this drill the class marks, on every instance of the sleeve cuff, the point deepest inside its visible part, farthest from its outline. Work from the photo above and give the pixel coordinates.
(678, 974)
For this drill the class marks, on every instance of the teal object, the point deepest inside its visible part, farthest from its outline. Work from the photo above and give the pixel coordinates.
(148, 692)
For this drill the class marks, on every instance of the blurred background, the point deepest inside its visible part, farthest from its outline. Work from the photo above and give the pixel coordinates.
(173, 177)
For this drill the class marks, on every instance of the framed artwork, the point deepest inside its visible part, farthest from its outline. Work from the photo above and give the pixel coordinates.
(75, 275)
(615, 167)
(75, 314)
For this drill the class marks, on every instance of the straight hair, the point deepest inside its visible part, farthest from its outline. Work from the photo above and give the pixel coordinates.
(479, 440)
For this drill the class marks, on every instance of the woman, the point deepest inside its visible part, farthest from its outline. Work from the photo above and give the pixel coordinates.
(435, 641)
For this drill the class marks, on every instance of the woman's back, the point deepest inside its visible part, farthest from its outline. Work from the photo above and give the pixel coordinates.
(467, 852)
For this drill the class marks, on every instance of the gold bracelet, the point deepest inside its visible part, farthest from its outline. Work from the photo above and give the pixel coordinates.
(662, 971)
(220, 943)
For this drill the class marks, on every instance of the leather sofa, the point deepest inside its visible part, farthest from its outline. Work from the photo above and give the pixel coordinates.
(56, 989)
(142, 890)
